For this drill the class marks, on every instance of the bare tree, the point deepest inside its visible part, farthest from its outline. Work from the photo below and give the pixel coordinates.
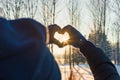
(31, 7)
(98, 9)
(117, 33)
(6, 10)
(44, 12)
(1, 12)
(49, 14)
(115, 7)
(74, 14)
(17, 8)
(12, 9)
(74, 9)
(117, 23)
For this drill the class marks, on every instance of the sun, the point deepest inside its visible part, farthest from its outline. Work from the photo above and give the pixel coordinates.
(62, 37)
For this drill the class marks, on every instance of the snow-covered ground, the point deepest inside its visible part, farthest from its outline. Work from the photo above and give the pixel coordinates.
(118, 68)
(81, 72)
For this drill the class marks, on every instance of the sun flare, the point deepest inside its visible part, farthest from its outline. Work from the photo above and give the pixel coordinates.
(62, 37)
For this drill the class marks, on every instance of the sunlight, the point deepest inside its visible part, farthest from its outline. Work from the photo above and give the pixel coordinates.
(60, 51)
(62, 37)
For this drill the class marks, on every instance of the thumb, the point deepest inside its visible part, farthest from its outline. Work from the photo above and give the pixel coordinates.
(73, 42)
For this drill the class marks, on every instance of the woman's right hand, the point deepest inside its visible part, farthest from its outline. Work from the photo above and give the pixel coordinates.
(76, 38)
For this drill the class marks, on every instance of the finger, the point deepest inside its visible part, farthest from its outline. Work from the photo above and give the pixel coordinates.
(69, 42)
(58, 43)
(68, 28)
(54, 27)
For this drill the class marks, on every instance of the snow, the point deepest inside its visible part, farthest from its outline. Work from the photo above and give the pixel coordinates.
(80, 72)
(118, 68)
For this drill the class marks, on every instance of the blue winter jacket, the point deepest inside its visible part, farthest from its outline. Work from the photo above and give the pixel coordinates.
(23, 51)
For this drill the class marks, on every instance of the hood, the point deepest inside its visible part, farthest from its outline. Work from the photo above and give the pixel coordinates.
(18, 35)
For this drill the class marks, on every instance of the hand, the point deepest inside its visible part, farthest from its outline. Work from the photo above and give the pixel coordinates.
(52, 29)
(76, 38)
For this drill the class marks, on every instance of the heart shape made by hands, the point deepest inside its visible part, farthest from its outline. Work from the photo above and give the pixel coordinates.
(62, 37)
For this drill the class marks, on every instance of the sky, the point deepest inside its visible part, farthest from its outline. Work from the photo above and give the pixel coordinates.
(62, 18)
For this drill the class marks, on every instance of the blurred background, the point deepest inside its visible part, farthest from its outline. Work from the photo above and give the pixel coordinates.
(97, 20)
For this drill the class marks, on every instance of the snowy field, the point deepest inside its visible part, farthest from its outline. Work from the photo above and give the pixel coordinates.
(81, 72)
(118, 68)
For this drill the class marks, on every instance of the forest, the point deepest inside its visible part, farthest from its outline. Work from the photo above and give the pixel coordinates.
(97, 20)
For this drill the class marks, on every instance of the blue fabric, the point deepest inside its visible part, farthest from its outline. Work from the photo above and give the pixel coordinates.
(23, 51)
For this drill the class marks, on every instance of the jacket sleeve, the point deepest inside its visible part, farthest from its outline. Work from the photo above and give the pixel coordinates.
(100, 65)
(47, 68)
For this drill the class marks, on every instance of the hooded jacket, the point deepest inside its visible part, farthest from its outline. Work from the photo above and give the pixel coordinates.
(23, 51)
